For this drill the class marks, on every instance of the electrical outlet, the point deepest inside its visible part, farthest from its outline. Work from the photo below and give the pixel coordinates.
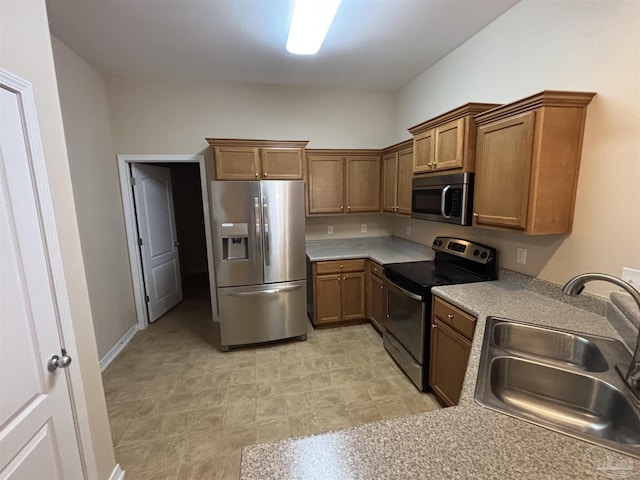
(330, 230)
(521, 256)
(408, 231)
(363, 228)
(632, 277)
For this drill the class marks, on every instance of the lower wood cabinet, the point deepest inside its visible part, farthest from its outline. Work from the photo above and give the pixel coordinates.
(376, 306)
(338, 291)
(451, 336)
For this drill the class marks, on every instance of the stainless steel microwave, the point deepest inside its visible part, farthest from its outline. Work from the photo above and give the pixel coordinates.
(443, 198)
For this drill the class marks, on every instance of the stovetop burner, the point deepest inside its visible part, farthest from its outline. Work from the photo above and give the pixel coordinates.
(457, 262)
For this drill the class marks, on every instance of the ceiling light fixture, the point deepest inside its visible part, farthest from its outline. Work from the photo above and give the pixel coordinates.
(309, 25)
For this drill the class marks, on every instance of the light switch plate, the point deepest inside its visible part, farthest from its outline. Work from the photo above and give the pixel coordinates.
(632, 277)
(330, 230)
(408, 231)
(521, 256)
(363, 228)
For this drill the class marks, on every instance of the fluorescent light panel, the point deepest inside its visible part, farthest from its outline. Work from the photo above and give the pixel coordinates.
(309, 25)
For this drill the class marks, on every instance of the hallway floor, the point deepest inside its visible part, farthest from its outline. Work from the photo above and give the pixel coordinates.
(181, 409)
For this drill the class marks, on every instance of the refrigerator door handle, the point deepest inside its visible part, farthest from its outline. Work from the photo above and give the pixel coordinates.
(265, 219)
(268, 292)
(256, 208)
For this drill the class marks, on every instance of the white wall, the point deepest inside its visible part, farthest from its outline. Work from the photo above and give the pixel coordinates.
(562, 45)
(162, 116)
(94, 174)
(25, 50)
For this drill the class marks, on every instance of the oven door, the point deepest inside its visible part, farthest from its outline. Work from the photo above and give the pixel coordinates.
(406, 320)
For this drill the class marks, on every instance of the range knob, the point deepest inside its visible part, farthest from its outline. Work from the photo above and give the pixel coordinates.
(437, 243)
(476, 252)
(483, 255)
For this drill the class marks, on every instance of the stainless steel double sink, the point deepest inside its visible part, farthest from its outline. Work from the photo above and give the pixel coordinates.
(562, 380)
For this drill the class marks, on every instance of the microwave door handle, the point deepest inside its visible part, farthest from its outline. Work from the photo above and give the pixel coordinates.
(443, 201)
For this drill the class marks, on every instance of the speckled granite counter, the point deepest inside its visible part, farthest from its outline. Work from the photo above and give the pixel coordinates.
(381, 249)
(467, 441)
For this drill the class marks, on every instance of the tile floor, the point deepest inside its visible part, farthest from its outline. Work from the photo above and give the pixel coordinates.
(181, 409)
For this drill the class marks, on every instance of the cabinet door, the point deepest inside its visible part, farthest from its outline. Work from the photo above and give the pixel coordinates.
(390, 182)
(328, 299)
(353, 296)
(326, 184)
(237, 163)
(449, 356)
(377, 310)
(281, 163)
(405, 176)
(363, 183)
(449, 140)
(503, 172)
(424, 150)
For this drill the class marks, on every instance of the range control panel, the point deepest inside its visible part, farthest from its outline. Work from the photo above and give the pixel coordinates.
(465, 249)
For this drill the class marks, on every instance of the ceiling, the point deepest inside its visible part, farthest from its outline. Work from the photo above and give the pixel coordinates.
(372, 44)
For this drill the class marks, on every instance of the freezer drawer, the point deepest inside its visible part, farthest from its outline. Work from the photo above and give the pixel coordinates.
(262, 313)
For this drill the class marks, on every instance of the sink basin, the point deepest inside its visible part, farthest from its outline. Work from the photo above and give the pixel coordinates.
(566, 381)
(572, 401)
(557, 346)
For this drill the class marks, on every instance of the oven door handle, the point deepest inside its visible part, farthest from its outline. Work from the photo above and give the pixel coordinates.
(406, 292)
(443, 201)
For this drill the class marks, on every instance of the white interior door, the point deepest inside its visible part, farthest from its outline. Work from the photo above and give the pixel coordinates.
(38, 438)
(157, 229)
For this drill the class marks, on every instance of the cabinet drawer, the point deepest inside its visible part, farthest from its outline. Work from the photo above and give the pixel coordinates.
(454, 317)
(339, 266)
(375, 269)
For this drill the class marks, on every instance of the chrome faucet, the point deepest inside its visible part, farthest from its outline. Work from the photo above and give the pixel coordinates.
(575, 286)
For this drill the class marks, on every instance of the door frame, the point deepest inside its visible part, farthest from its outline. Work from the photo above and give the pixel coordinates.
(131, 227)
(33, 140)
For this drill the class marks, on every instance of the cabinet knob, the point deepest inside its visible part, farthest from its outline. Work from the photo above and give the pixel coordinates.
(381, 286)
(265, 174)
(475, 214)
(433, 325)
(375, 269)
(349, 207)
(429, 164)
(338, 277)
(257, 174)
(341, 207)
(341, 266)
(449, 316)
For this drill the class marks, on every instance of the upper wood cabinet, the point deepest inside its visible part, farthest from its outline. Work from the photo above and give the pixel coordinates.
(397, 173)
(447, 142)
(527, 162)
(343, 181)
(257, 159)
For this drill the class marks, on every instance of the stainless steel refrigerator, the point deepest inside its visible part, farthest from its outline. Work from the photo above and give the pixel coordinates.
(259, 248)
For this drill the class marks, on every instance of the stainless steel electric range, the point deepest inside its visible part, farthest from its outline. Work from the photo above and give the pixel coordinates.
(407, 334)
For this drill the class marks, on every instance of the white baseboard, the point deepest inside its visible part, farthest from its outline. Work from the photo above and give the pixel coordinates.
(117, 348)
(117, 474)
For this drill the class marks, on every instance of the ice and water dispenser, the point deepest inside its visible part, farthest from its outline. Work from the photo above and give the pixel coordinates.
(235, 241)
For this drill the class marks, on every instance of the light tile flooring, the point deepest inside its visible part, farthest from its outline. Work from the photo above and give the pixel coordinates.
(181, 409)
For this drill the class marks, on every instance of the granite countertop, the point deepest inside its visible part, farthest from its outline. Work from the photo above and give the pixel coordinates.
(381, 249)
(466, 441)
